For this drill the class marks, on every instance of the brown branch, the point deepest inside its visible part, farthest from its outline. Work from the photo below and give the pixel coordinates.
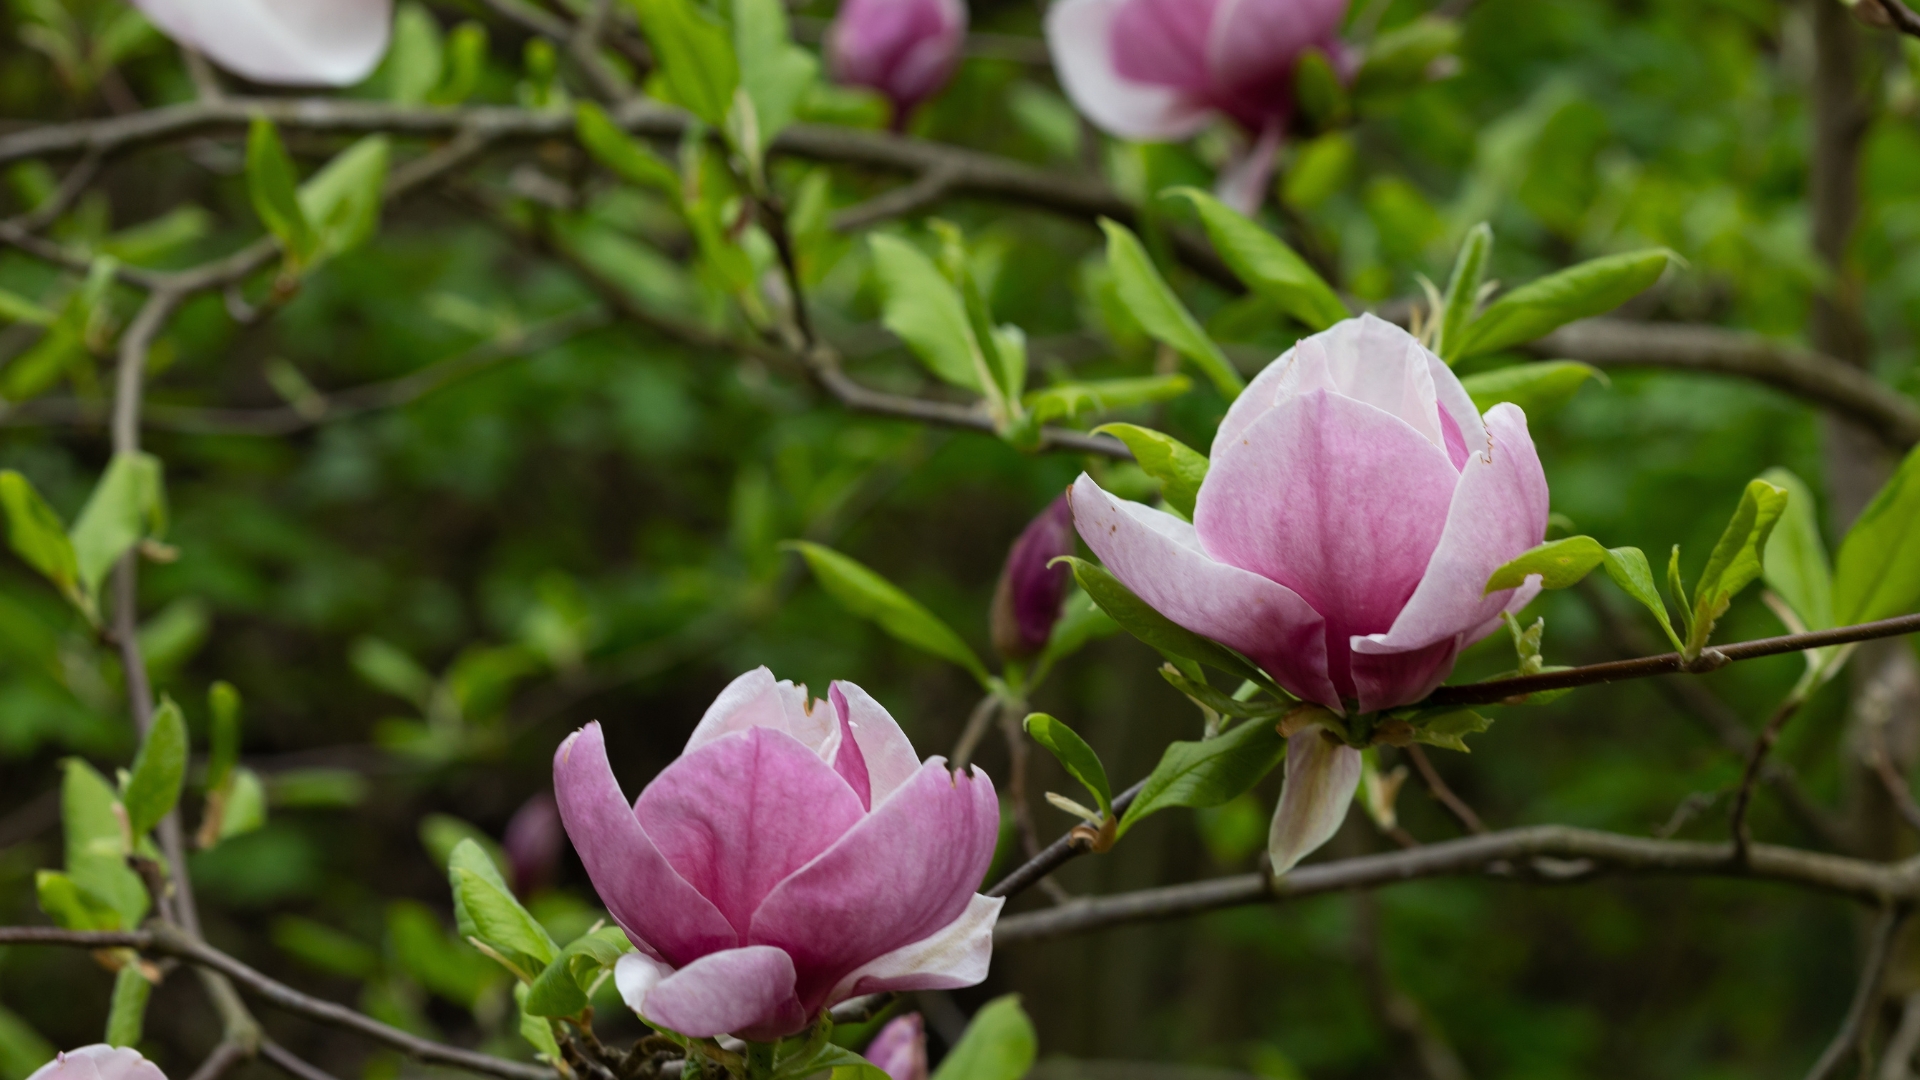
(226, 1057)
(292, 1064)
(1444, 794)
(1496, 691)
(1898, 16)
(72, 186)
(1890, 779)
(925, 190)
(1866, 995)
(1070, 846)
(1769, 734)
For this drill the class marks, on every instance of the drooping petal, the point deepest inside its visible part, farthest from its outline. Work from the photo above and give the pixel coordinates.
(1159, 557)
(1255, 43)
(1163, 42)
(953, 956)
(99, 1062)
(646, 896)
(281, 42)
(900, 1050)
(1336, 500)
(746, 992)
(1322, 775)
(1244, 183)
(738, 815)
(757, 700)
(1080, 36)
(891, 760)
(906, 870)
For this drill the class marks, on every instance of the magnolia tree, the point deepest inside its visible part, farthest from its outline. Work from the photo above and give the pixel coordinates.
(1331, 589)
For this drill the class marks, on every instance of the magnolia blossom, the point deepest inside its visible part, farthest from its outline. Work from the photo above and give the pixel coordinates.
(900, 1050)
(99, 1062)
(1161, 69)
(282, 42)
(795, 855)
(1355, 506)
(905, 49)
(1026, 603)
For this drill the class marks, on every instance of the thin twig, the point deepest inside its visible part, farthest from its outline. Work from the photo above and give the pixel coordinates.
(1438, 786)
(72, 186)
(226, 1057)
(1890, 778)
(1742, 829)
(1019, 759)
(1070, 846)
(292, 1064)
(1897, 1062)
(978, 722)
(1866, 995)
(929, 188)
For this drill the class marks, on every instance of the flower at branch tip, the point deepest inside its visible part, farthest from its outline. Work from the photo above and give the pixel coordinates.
(900, 1050)
(905, 49)
(533, 842)
(795, 855)
(281, 42)
(99, 1062)
(1162, 69)
(1026, 602)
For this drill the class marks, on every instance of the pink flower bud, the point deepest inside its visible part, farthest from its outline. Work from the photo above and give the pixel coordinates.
(1026, 603)
(905, 49)
(901, 1048)
(850, 870)
(281, 42)
(99, 1062)
(533, 844)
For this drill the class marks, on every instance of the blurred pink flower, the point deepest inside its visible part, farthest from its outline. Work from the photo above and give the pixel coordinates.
(795, 855)
(533, 843)
(901, 1048)
(281, 42)
(99, 1062)
(905, 49)
(1026, 603)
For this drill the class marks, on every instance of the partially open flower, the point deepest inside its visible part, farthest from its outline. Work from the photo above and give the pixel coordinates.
(795, 855)
(900, 1050)
(99, 1062)
(281, 42)
(1026, 602)
(905, 49)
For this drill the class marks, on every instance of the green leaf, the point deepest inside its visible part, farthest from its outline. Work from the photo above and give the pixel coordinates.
(414, 55)
(127, 504)
(1449, 730)
(1265, 263)
(1679, 590)
(384, 665)
(1463, 290)
(1071, 399)
(70, 906)
(537, 1030)
(342, 200)
(17, 308)
(159, 770)
(1796, 557)
(1401, 58)
(1319, 90)
(870, 596)
(1006, 369)
(466, 62)
(1210, 772)
(127, 1012)
(39, 537)
(1074, 755)
(487, 912)
(1877, 573)
(1203, 693)
(1160, 313)
(810, 1059)
(1565, 562)
(96, 844)
(628, 158)
(1578, 292)
(1137, 618)
(245, 807)
(927, 312)
(774, 71)
(272, 183)
(1179, 468)
(697, 65)
(1537, 388)
(999, 1044)
(223, 738)
(1736, 559)
(1081, 621)
(561, 989)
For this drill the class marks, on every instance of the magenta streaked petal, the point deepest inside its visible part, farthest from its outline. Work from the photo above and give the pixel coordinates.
(746, 992)
(890, 758)
(281, 42)
(1027, 598)
(1459, 418)
(1079, 34)
(848, 761)
(1322, 775)
(953, 956)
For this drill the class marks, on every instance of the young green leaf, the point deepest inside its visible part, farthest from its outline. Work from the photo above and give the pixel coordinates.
(1401, 58)
(96, 844)
(159, 770)
(342, 201)
(1463, 290)
(1578, 292)
(487, 912)
(1152, 302)
(1877, 573)
(1070, 400)
(998, 1045)
(1449, 730)
(561, 989)
(537, 1030)
(1140, 620)
(1179, 468)
(1265, 263)
(127, 504)
(1006, 370)
(1796, 567)
(272, 184)
(774, 72)
(821, 1058)
(415, 55)
(38, 536)
(1319, 90)
(466, 60)
(1537, 388)
(384, 665)
(699, 71)
(1211, 772)
(17, 308)
(926, 311)
(1736, 559)
(870, 596)
(1678, 589)
(245, 807)
(127, 1010)
(69, 906)
(1565, 562)
(629, 158)
(1074, 755)
(223, 740)
(1203, 693)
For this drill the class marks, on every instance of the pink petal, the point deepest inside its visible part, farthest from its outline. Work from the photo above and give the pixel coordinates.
(99, 1061)
(1460, 422)
(746, 992)
(891, 760)
(282, 42)
(906, 870)
(1367, 359)
(1254, 43)
(1163, 42)
(1322, 775)
(848, 761)
(1159, 557)
(1498, 512)
(1080, 35)
(1244, 183)
(900, 1050)
(953, 956)
(1338, 501)
(659, 910)
(756, 700)
(738, 815)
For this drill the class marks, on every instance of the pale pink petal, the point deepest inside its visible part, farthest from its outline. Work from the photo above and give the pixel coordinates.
(953, 956)
(900, 1050)
(1338, 501)
(757, 700)
(906, 870)
(1163, 42)
(99, 1062)
(1322, 775)
(658, 909)
(1244, 183)
(283, 42)
(1159, 557)
(891, 760)
(1079, 34)
(1254, 43)
(1459, 418)
(739, 814)
(746, 992)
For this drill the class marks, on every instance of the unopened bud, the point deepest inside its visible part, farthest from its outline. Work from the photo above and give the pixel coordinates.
(905, 49)
(533, 844)
(1027, 601)
(900, 1050)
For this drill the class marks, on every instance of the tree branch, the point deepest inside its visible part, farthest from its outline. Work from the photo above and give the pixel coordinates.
(1769, 734)
(1866, 995)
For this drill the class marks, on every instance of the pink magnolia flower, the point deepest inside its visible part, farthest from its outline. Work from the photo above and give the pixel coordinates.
(900, 1050)
(905, 49)
(794, 855)
(1026, 602)
(99, 1062)
(281, 42)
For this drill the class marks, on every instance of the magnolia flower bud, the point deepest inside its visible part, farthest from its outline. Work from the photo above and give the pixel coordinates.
(905, 49)
(533, 844)
(99, 1062)
(850, 871)
(901, 1049)
(281, 42)
(1026, 603)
